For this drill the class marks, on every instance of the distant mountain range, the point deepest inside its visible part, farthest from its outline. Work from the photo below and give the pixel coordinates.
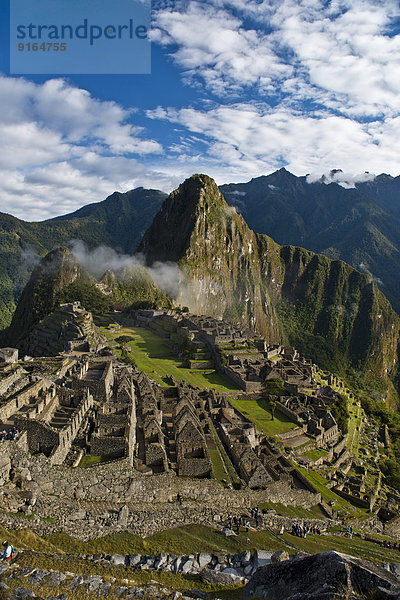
(325, 308)
(360, 226)
(119, 222)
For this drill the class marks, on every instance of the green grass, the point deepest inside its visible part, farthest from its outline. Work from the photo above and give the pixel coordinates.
(88, 460)
(319, 482)
(226, 470)
(257, 411)
(145, 343)
(218, 466)
(297, 512)
(315, 454)
(179, 540)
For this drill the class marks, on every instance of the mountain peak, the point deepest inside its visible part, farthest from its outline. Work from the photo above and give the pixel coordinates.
(197, 198)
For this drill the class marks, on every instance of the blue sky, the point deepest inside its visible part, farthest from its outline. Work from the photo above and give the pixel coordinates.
(237, 89)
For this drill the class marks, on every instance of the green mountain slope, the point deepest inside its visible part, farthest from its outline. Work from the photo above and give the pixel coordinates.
(360, 226)
(60, 279)
(329, 310)
(119, 221)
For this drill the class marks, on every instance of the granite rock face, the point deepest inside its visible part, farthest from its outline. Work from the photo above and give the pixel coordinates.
(325, 576)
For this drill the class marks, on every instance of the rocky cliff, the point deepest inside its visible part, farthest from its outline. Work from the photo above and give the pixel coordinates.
(329, 310)
(325, 576)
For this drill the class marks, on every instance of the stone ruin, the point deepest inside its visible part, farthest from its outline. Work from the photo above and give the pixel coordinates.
(313, 416)
(78, 405)
(8, 355)
(250, 359)
(67, 329)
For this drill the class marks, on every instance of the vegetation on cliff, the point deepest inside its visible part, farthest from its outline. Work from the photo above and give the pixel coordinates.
(59, 279)
(327, 309)
(119, 222)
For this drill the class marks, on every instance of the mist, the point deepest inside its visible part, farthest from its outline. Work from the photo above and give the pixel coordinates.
(97, 261)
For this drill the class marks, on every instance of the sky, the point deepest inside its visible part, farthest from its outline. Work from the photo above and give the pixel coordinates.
(237, 89)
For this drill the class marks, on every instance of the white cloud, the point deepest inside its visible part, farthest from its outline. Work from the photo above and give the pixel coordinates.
(71, 113)
(340, 53)
(245, 140)
(346, 180)
(211, 43)
(62, 148)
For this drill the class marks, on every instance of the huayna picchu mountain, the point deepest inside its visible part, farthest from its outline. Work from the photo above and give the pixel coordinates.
(329, 310)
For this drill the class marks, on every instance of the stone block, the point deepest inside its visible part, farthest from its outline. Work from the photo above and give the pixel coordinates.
(20, 593)
(227, 532)
(118, 559)
(262, 558)
(133, 560)
(104, 589)
(75, 582)
(57, 578)
(38, 576)
(203, 559)
(211, 576)
(187, 566)
(279, 556)
(161, 560)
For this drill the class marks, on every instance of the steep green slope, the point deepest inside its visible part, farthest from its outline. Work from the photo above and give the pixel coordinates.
(119, 221)
(60, 279)
(360, 226)
(56, 271)
(329, 310)
(217, 253)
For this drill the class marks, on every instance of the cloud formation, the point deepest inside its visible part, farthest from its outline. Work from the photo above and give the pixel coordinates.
(97, 261)
(311, 85)
(248, 140)
(62, 148)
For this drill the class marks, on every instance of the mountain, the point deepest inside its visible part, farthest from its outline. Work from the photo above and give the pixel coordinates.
(327, 309)
(385, 190)
(60, 279)
(56, 271)
(360, 226)
(119, 221)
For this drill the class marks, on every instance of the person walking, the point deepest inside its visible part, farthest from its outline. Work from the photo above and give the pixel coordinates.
(9, 551)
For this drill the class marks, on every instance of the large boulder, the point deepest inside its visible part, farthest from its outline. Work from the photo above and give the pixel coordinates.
(211, 576)
(325, 576)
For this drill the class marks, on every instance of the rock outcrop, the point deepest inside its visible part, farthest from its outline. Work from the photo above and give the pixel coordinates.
(325, 576)
(57, 270)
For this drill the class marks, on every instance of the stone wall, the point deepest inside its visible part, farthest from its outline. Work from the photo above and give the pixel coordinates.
(22, 398)
(100, 388)
(289, 413)
(119, 482)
